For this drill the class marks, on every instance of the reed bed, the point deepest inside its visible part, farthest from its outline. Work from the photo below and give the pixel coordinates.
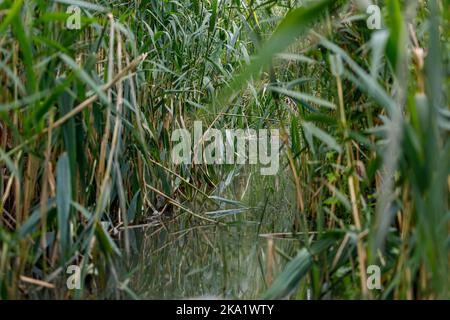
(86, 117)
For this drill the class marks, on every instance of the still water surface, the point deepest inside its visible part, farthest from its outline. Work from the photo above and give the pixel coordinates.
(236, 259)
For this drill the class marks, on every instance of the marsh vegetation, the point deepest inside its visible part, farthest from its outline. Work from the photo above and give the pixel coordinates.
(87, 113)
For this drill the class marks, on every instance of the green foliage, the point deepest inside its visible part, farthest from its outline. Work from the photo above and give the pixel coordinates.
(86, 118)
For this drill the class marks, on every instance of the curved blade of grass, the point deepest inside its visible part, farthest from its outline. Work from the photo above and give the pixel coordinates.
(104, 239)
(292, 26)
(13, 12)
(322, 136)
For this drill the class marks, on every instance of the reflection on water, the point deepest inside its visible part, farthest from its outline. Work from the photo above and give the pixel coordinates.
(192, 259)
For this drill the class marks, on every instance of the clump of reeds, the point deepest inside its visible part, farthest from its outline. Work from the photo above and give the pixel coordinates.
(86, 117)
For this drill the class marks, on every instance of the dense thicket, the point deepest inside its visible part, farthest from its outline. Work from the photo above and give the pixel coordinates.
(86, 117)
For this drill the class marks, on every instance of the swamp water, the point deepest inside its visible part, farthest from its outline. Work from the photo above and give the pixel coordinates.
(238, 258)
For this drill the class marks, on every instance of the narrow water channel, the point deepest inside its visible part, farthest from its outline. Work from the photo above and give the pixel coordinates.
(237, 258)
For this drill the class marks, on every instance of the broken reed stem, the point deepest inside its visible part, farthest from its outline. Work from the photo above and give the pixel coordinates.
(37, 282)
